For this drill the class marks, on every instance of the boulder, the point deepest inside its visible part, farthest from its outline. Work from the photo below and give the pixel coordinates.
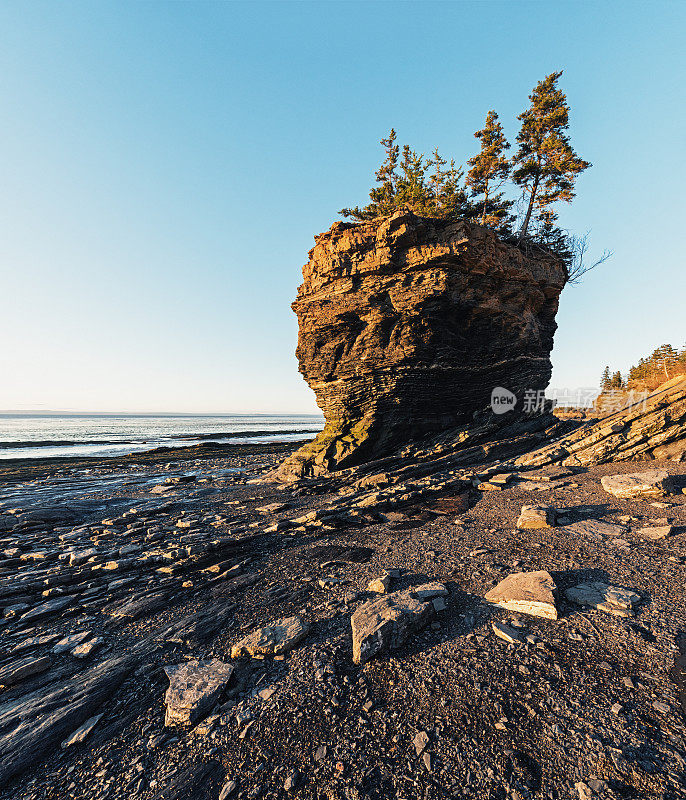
(387, 623)
(407, 324)
(275, 639)
(652, 483)
(530, 593)
(380, 585)
(194, 687)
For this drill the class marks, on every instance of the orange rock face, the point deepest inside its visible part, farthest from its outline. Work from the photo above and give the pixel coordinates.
(407, 324)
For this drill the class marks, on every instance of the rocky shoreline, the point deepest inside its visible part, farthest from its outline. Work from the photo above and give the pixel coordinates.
(177, 625)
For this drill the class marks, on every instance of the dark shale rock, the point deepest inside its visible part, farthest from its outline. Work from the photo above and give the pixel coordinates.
(31, 729)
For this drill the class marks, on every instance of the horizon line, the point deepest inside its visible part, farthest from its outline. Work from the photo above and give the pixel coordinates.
(65, 412)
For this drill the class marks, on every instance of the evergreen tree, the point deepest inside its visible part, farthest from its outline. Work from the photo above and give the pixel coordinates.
(545, 164)
(616, 381)
(605, 379)
(453, 201)
(489, 170)
(412, 189)
(437, 177)
(407, 182)
(383, 196)
(665, 357)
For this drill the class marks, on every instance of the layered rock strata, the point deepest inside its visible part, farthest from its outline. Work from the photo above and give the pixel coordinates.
(652, 428)
(407, 324)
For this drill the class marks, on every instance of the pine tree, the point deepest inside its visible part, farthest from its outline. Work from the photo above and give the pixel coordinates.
(665, 357)
(489, 171)
(617, 381)
(383, 196)
(412, 190)
(407, 182)
(605, 379)
(454, 202)
(545, 164)
(437, 177)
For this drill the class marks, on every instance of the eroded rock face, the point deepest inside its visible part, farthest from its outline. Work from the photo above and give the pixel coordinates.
(407, 325)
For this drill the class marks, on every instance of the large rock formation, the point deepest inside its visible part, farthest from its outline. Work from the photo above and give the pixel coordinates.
(406, 326)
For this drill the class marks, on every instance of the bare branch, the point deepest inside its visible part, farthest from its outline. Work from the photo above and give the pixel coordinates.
(577, 266)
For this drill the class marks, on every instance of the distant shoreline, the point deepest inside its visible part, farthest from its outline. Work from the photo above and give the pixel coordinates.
(32, 468)
(152, 414)
(107, 436)
(6, 445)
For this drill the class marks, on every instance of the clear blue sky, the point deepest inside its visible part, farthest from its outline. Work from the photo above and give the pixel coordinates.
(166, 165)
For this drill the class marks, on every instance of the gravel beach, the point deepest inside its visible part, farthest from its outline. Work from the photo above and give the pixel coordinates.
(126, 583)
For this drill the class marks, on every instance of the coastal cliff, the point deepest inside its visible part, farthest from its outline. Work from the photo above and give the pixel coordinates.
(406, 324)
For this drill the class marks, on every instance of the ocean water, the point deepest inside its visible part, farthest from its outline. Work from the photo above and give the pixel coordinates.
(98, 435)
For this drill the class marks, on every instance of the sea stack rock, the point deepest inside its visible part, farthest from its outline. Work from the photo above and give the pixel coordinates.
(407, 324)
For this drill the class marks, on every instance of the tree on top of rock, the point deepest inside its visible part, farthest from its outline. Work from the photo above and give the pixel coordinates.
(546, 165)
(425, 186)
(489, 171)
(383, 196)
(544, 170)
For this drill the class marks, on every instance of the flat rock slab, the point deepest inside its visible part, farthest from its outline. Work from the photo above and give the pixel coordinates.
(655, 533)
(549, 474)
(81, 733)
(595, 529)
(530, 593)
(85, 649)
(604, 597)
(387, 623)
(652, 483)
(502, 478)
(275, 639)
(193, 689)
(71, 641)
(506, 633)
(137, 607)
(46, 609)
(272, 508)
(427, 591)
(534, 517)
(17, 671)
